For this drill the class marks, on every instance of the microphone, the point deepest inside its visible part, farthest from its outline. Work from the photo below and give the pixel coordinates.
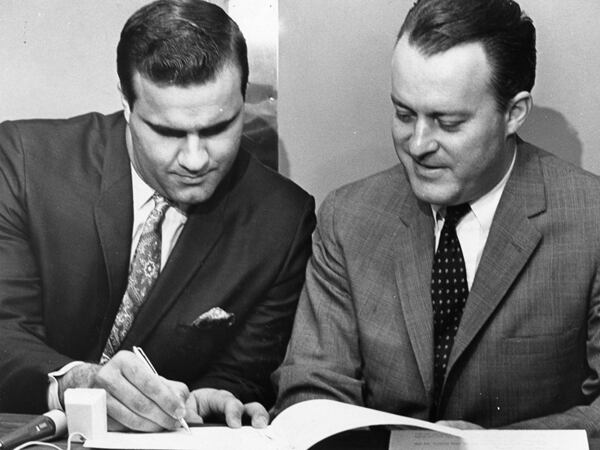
(49, 425)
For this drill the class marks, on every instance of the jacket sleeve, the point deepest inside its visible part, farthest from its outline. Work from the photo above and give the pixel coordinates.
(25, 359)
(323, 357)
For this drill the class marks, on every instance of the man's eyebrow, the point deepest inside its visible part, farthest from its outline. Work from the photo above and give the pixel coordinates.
(163, 128)
(397, 102)
(211, 129)
(220, 126)
(434, 114)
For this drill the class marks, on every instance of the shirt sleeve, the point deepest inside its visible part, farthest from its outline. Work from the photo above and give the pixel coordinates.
(53, 398)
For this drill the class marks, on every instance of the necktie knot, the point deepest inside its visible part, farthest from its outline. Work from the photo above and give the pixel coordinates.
(455, 213)
(161, 205)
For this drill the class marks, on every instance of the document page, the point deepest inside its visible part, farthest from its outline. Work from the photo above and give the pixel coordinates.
(304, 424)
(205, 437)
(490, 440)
(297, 428)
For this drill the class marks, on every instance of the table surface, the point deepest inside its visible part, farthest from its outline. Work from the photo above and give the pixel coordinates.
(351, 440)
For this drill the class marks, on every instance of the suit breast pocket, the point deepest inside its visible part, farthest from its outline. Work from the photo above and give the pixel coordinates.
(554, 364)
(544, 347)
(202, 340)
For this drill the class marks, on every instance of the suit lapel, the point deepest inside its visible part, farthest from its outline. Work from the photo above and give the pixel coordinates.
(113, 214)
(413, 279)
(200, 234)
(511, 242)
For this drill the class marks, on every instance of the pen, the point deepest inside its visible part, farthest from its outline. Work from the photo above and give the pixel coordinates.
(140, 354)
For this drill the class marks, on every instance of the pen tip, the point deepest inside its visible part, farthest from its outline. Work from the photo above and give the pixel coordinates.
(185, 425)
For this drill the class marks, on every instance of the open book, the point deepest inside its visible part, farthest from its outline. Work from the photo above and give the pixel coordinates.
(306, 423)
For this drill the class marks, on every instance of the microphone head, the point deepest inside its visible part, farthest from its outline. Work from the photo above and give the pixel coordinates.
(60, 421)
(50, 424)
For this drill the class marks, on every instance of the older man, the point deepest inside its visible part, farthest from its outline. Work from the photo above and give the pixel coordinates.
(463, 284)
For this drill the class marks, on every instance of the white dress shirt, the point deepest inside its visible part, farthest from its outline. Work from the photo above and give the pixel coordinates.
(473, 229)
(142, 206)
(171, 229)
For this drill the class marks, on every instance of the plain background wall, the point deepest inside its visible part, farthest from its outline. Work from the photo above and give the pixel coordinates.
(57, 57)
(334, 113)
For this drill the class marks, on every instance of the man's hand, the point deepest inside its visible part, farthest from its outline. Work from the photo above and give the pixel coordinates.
(219, 404)
(460, 424)
(136, 398)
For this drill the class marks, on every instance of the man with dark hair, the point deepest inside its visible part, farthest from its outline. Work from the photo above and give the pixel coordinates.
(150, 227)
(462, 285)
(179, 43)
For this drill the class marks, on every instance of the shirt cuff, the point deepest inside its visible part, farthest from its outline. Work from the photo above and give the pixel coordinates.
(53, 400)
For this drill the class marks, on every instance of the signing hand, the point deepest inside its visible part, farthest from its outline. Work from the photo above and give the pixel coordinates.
(207, 402)
(136, 398)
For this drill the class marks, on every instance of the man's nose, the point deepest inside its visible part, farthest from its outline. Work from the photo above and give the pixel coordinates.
(193, 154)
(422, 140)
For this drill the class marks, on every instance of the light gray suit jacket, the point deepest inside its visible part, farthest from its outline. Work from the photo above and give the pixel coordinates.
(527, 350)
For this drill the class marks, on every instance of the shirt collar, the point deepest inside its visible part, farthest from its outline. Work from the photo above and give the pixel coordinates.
(142, 193)
(485, 206)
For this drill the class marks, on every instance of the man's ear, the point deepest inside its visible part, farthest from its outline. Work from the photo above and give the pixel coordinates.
(519, 108)
(125, 104)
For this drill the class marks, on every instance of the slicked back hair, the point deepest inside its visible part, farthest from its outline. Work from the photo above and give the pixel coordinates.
(505, 31)
(179, 43)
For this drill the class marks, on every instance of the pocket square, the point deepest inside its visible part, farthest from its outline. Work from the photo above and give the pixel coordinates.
(214, 317)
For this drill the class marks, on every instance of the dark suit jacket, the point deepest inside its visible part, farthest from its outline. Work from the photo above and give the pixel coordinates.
(527, 352)
(65, 237)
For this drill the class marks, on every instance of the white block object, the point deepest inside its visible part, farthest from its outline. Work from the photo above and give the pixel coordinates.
(86, 412)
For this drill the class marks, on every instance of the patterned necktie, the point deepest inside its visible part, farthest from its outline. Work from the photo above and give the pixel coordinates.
(143, 272)
(449, 291)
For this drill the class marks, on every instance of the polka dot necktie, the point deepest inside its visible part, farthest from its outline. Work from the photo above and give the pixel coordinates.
(143, 272)
(449, 291)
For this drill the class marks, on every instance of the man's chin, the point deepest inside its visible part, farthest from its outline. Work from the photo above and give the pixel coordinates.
(434, 195)
(195, 197)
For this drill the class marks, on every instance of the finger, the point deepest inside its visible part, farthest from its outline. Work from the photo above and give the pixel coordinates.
(124, 417)
(191, 416)
(125, 403)
(166, 401)
(127, 379)
(233, 409)
(205, 403)
(259, 417)
(212, 402)
(179, 391)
